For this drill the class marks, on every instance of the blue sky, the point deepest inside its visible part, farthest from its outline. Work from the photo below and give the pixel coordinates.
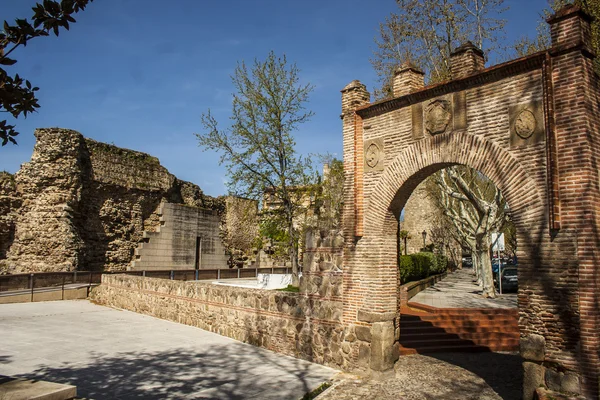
(138, 73)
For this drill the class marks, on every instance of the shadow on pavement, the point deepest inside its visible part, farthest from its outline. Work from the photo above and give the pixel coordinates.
(223, 372)
(503, 372)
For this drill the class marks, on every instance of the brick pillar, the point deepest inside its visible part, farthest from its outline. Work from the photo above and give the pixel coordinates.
(576, 93)
(570, 27)
(466, 60)
(354, 95)
(407, 79)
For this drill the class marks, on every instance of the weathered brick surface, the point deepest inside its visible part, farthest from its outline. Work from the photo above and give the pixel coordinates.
(550, 180)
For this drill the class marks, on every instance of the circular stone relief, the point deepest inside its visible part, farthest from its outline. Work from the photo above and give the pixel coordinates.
(525, 124)
(372, 155)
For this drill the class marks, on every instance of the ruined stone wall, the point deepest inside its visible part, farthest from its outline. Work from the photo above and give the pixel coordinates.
(85, 205)
(10, 202)
(417, 218)
(187, 238)
(240, 229)
(50, 186)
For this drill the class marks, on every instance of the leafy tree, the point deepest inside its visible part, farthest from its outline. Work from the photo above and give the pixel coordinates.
(404, 236)
(426, 32)
(258, 148)
(17, 95)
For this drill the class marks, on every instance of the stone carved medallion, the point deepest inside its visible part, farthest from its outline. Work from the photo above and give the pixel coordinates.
(525, 124)
(373, 155)
(437, 116)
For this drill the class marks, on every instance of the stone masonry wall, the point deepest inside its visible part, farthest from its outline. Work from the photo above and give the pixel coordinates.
(10, 202)
(306, 324)
(50, 185)
(417, 213)
(288, 323)
(81, 204)
(188, 237)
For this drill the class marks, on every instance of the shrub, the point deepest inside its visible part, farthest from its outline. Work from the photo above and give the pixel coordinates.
(414, 267)
(406, 266)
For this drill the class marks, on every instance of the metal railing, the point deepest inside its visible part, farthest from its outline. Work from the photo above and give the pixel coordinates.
(48, 281)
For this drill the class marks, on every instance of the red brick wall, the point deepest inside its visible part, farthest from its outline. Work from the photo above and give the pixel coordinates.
(559, 276)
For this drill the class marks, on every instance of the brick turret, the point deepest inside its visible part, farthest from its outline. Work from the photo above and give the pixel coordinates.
(407, 79)
(466, 60)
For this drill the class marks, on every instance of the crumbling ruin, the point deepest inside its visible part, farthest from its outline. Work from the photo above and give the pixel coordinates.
(85, 205)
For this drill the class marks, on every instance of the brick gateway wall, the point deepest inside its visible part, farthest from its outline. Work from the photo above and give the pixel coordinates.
(531, 125)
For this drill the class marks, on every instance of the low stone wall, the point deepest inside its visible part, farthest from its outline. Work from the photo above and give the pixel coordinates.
(409, 290)
(289, 323)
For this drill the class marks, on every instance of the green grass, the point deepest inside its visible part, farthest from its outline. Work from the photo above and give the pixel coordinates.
(290, 288)
(317, 391)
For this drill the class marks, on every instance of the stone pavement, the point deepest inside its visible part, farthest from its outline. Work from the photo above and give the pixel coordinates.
(456, 376)
(458, 290)
(111, 354)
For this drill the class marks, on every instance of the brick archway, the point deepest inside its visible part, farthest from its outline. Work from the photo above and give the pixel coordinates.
(532, 126)
(421, 159)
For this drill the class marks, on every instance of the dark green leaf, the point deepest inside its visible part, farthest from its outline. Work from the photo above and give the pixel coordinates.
(7, 61)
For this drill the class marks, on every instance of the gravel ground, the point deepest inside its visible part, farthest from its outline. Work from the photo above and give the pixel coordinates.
(449, 376)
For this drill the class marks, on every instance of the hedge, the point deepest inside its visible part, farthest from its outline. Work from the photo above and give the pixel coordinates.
(414, 267)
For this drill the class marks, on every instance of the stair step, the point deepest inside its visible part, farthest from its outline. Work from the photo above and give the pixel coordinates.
(418, 307)
(462, 335)
(444, 349)
(456, 341)
(462, 348)
(462, 317)
(459, 324)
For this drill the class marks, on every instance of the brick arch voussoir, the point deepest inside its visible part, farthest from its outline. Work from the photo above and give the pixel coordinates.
(431, 154)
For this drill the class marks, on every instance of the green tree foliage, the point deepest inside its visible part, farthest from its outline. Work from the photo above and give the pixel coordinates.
(258, 148)
(17, 95)
(417, 266)
(425, 32)
(404, 235)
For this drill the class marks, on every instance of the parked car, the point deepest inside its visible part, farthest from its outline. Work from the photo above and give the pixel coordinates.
(510, 281)
(467, 262)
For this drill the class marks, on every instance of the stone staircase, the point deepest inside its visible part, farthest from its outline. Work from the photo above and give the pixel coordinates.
(425, 329)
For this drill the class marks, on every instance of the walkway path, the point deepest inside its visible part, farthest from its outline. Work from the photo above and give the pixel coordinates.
(445, 376)
(111, 354)
(456, 376)
(458, 290)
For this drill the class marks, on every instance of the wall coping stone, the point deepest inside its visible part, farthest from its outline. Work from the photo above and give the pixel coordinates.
(370, 316)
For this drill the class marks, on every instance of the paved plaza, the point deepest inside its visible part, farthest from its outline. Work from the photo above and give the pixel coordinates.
(112, 354)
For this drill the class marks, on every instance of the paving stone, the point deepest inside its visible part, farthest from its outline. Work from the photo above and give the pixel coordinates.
(111, 354)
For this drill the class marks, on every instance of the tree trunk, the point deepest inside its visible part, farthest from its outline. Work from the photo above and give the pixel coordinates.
(487, 276)
(405, 248)
(476, 265)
